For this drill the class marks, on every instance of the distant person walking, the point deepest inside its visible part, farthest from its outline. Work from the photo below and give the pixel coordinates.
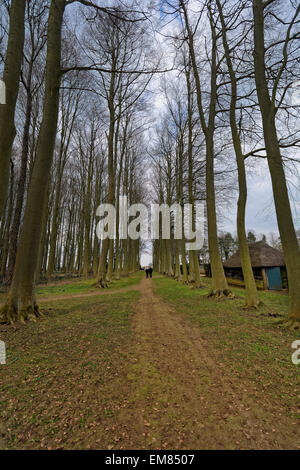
(148, 271)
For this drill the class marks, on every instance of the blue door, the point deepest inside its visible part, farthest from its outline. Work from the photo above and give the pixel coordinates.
(274, 278)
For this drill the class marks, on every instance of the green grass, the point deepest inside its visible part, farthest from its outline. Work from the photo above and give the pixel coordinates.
(79, 286)
(82, 286)
(251, 344)
(73, 287)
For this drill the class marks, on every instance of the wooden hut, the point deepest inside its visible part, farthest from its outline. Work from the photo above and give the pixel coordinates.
(268, 266)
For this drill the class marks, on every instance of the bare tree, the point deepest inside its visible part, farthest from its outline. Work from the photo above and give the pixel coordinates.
(11, 78)
(269, 105)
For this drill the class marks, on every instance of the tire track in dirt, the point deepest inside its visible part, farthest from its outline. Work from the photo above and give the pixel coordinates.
(177, 394)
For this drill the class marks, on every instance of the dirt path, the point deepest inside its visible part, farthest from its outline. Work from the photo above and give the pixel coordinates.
(176, 394)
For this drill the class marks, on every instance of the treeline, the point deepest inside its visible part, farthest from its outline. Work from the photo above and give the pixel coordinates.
(76, 101)
(233, 98)
(74, 132)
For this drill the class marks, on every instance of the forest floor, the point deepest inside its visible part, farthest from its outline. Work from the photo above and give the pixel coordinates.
(149, 364)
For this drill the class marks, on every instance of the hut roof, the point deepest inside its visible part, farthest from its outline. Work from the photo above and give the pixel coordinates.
(262, 256)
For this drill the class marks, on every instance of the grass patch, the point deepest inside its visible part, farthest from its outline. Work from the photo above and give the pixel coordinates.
(56, 389)
(78, 286)
(251, 344)
(85, 286)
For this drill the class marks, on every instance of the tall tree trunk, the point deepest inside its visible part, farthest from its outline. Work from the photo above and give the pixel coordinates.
(101, 275)
(168, 244)
(5, 248)
(87, 211)
(54, 227)
(14, 233)
(177, 274)
(21, 303)
(219, 282)
(39, 267)
(80, 239)
(98, 196)
(124, 270)
(184, 276)
(95, 255)
(108, 245)
(122, 154)
(193, 253)
(251, 298)
(281, 198)
(11, 78)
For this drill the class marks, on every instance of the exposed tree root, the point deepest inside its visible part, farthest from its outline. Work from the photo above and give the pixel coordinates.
(7, 280)
(10, 314)
(273, 315)
(101, 284)
(253, 307)
(197, 286)
(292, 324)
(221, 294)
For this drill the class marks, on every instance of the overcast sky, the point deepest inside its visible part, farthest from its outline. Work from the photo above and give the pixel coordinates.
(260, 215)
